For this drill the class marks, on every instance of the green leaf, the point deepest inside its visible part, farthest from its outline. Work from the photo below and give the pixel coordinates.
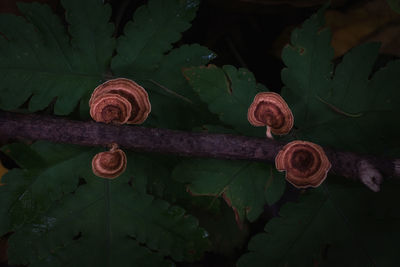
(155, 27)
(275, 185)
(351, 79)
(347, 109)
(226, 237)
(37, 58)
(360, 109)
(394, 4)
(170, 91)
(91, 33)
(91, 218)
(241, 184)
(169, 74)
(228, 92)
(336, 225)
(125, 225)
(309, 67)
(51, 171)
(383, 94)
(145, 55)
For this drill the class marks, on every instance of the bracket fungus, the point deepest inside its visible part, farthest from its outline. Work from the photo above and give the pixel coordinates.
(119, 101)
(305, 163)
(109, 164)
(270, 109)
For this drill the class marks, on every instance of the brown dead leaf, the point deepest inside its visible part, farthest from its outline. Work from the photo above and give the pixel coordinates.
(3, 171)
(359, 24)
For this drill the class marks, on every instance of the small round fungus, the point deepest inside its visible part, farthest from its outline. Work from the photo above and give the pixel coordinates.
(270, 110)
(305, 163)
(109, 164)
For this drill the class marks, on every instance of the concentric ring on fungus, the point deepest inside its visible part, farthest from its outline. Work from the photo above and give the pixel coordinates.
(123, 90)
(109, 164)
(270, 109)
(305, 163)
(110, 108)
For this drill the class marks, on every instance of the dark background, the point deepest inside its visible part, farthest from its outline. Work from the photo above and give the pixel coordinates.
(251, 34)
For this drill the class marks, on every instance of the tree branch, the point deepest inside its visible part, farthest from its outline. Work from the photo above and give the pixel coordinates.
(367, 169)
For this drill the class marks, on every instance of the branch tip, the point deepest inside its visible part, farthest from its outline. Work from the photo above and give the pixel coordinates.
(369, 175)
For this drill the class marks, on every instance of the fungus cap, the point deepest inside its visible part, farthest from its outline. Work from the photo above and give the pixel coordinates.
(270, 109)
(305, 163)
(109, 164)
(129, 90)
(110, 108)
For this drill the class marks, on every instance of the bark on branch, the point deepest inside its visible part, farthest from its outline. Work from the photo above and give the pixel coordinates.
(367, 169)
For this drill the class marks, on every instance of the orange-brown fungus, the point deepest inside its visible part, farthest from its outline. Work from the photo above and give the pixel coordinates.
(109, 164)
(305, 163)
(123, 91)
(110, 108)
(269, 109)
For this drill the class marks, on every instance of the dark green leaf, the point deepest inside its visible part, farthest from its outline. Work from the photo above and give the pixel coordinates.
(228, 92)
(337, 225)
(145, 55)
(155, 27)
(37, 58)
(122, 223)
(169, 74)
(241, 184)
(394, 4)
(346, 110)
(309, 68)
(51, 171)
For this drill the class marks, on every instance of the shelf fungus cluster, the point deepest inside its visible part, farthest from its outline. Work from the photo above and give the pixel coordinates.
(305, 163)
(119, 101)
(270, 110)
(109, 164)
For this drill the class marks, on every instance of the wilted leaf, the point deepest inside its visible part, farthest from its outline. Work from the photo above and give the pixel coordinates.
(3, 171)
(362, 21)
